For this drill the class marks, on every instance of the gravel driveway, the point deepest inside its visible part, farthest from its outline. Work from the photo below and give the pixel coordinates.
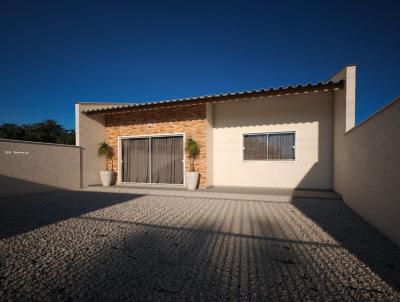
(94, 246)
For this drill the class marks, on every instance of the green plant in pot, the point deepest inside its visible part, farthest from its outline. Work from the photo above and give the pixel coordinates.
(106, 176)
(192, 177)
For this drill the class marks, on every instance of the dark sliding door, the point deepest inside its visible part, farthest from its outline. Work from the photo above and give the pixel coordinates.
(135, 160)
(167, 160)
(153, 160)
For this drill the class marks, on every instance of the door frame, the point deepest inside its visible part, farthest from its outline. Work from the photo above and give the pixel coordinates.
(119, 157)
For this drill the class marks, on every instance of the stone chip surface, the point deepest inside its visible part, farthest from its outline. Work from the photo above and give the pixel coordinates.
(99, 246)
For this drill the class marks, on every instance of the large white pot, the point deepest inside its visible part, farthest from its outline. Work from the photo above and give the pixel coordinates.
(106, 178)
(191, 179)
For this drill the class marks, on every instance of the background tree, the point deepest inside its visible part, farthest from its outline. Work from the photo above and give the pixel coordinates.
(48, 131)
(11, 131)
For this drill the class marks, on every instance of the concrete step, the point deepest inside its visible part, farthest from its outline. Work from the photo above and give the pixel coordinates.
(254, 194)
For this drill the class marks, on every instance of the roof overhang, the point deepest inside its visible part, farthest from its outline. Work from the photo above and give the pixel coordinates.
(216, 98)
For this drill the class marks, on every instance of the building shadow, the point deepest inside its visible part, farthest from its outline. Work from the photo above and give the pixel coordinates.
(354, 234)
(215, 249)
(358, 237)
(26, 212)
(338, 221)
(11, 186)
(169, 248)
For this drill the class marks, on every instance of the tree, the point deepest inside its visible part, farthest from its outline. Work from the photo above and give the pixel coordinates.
(11, 131)
(106, 150)
(48, 131)
(192, 148)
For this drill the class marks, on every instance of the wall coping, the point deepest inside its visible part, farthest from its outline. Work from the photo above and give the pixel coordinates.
(38, 143)
(340, 70)
(381, 110)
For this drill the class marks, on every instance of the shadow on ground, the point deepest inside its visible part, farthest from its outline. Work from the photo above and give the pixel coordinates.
(168, 248)
(355, 235)
(249, 251)
(23, 213)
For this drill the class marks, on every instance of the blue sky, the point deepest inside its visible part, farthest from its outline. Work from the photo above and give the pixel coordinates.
(55, 53)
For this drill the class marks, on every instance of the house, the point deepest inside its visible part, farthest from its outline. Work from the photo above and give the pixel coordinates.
(285, 137)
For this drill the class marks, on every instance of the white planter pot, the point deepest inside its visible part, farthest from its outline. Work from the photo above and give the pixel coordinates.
(191, 179)
(106, 178)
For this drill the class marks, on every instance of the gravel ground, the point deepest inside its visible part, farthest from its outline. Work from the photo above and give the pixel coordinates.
(96, 246)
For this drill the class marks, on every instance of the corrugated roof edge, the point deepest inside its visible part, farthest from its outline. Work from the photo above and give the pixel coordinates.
(284, 89)
(104, 103)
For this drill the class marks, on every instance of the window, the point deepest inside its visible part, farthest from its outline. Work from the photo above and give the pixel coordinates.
(269, 146)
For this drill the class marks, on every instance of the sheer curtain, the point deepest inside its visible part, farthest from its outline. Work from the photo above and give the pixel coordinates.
(135, 154)
(274, 146)
(166, 160)
(280, 146)
(255, 147)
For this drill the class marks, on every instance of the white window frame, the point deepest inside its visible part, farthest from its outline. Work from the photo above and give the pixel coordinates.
(119, 158)
(269, 160)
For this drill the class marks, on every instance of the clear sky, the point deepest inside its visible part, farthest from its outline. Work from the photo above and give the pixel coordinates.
(55, 53)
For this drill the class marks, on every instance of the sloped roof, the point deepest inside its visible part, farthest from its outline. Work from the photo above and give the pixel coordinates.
(291, 89)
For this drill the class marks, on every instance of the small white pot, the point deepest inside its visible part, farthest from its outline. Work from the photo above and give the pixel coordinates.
(106, 178)
(191, 179)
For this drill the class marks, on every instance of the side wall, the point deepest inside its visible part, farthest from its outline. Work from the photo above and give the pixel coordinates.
(90, 131)
(29, 167)
(210, 144)
(189, 120)
(368, 178)
(344, 118)
(309, 115)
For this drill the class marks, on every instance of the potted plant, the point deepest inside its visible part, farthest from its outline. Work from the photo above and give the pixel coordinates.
(106, 176)
(192, 177)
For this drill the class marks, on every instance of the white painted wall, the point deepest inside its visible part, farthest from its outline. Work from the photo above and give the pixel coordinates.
(209, 143)
(309, 115)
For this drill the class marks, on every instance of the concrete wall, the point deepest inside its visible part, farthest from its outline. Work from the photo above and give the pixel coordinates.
(344, 117)
(368, 177)
(366, 159)
(309, 115)
(209, 143)
(29, 167)
(90, 132)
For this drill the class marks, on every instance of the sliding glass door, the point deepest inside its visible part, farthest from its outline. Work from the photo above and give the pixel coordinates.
(135, 160)
(153, 160)
(167, 160)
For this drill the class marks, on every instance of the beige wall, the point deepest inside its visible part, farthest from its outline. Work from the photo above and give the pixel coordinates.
(344, 117)
(29, 167)
(209, 143)
(90, 131)
(365, 159)
(368, 174)
(346, 98)
(309, 115)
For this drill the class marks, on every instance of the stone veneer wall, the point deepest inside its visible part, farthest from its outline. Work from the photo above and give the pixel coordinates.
(190, 120)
